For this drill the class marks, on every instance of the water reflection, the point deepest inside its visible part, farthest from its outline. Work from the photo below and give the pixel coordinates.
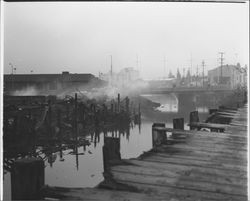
(79, 161)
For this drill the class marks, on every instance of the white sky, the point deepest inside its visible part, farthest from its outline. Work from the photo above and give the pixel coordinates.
(52, 37)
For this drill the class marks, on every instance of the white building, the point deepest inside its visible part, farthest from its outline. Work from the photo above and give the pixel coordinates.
(125, 75)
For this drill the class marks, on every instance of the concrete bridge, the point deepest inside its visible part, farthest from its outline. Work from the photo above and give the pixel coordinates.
(190, 97)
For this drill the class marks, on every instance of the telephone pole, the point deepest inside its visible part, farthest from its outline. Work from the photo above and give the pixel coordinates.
(196, 75)
(221, 64)
(203, 65)
(111, 70)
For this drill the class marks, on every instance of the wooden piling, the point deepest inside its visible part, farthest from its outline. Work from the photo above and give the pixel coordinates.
(111, 151)
(118, 103)
(27, 179)
(59, 120)
(158, 137)
(194, 117)
(211, 111)
(75, 117)
(127, 105)
(178, 123)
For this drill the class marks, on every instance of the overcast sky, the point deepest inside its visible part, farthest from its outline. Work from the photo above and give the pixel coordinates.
(79, 37)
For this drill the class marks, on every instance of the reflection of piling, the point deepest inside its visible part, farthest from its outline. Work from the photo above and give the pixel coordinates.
(111, 151)
(27, 179)
(194, 117)
(158, 137)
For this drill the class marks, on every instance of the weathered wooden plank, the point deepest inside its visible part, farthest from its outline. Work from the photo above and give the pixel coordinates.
(203, 157)
(190, 174)
(175, 150)
(208, 149)
(208, 125)
(180, 167)
(209, 142)
(184, 183)
(199, 163)
(182, 192)
(97, 194)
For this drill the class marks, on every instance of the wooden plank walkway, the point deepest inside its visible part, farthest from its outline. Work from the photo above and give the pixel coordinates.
(191, 165)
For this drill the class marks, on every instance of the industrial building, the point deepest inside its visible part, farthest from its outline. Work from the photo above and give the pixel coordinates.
(49, 83)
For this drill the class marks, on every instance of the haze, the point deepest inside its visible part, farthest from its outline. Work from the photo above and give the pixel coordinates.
(79, 37)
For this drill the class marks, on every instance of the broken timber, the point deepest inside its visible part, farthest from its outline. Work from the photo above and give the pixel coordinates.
(201, 166)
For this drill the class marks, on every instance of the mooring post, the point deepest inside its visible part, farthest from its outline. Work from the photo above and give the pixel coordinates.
(27, 179)
(118, 102)
(111, 151)
(112, 107)
(127, 105)
(59, 121)
(211, 111)
(194, 117)
(49, 118)
(75, 116)
(158, 136)
(178, 123)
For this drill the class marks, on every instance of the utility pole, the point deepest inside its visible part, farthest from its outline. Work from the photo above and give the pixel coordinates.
(221, 64)
(191, 64)
(111, 70)
(203, 65)
(164, 64)
(137, 66)
(196, 75)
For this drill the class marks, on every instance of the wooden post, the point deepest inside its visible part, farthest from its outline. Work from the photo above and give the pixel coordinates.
(118, 102)
(211, 111)
(194, 117)
(67, 111)
(59, 121)
(49, 120)
(127, 105)
(75, 117)
(139, 112)
(111, 151)
(178, 123)
(158, 137)
(27, 179)
(112, 107)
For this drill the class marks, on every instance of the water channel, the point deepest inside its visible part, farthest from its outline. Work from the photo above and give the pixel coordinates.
(86, 168)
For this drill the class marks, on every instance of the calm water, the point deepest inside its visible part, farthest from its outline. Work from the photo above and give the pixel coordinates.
(85, 169)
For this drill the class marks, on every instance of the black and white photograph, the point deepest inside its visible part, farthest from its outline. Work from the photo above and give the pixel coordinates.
(124, 100)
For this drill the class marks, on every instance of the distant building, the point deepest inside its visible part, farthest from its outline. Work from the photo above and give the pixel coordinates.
(49, 83)
(124, 76)
(233, 76)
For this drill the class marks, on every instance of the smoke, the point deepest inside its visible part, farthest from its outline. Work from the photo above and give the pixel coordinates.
(28, 91)
(95, 89)
(111, 90)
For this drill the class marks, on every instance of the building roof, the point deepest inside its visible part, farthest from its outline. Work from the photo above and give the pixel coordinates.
(65, 77)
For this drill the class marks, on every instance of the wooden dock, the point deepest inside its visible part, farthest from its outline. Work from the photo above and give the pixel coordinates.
(190, 165)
